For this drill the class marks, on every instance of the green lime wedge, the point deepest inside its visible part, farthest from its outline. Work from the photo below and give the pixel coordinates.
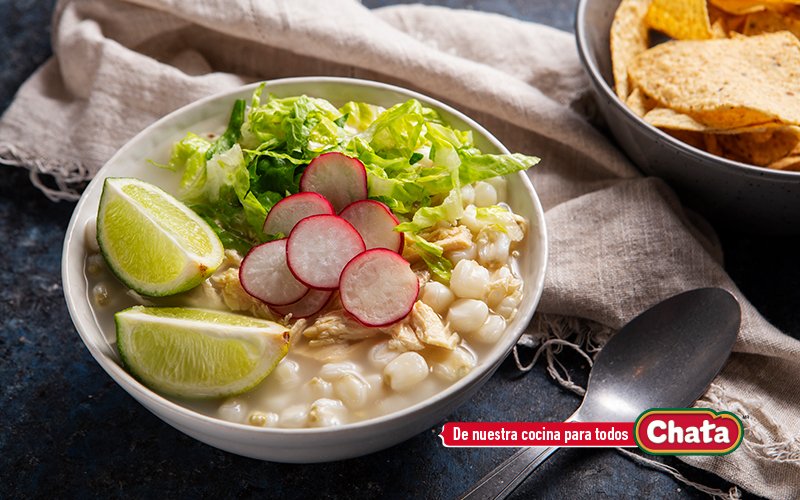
(152, 242)
(198, 353)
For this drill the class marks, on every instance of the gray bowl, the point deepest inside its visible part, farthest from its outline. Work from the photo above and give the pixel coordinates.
(732, 194)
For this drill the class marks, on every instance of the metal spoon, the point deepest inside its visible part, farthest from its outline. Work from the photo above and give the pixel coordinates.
(664, 358)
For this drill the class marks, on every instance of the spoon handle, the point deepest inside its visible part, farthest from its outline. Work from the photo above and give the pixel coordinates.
(507, 476)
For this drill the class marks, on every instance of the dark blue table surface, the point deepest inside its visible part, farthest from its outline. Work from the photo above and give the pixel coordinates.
(69, 431)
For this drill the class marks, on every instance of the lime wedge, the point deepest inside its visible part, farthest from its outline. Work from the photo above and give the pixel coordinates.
(152, 242)
(198, 353)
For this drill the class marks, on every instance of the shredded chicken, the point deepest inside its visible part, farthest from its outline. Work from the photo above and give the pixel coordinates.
(449, 238)
(413, 257)
(422, 327)
(232, 259)
(331, 353)
(226, 284)
(404, 338)
(429, 328)
(336, 327)
(296, 330)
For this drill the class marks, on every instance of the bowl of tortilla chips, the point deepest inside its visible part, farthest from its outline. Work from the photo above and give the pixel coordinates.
(706, 95)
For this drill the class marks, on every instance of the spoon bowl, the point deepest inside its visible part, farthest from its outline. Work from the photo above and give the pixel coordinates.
(663, 358)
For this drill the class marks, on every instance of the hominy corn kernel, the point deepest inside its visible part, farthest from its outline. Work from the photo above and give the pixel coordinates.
(468, 194)
(100, 294)
(95, 264)
(469, 280)
(437, 296)
(467, 315)
(405, 371)
(332, 371)
(508, 306)
(500, 185)
(456, 256)
(294, 416)
(233, 410)
(351, 390)
(287, 373)
(491, 330)
(326, 413)
(493, 248)
(318, 387)
(380, 355)
(455, 365)
(261, 419)
(485, 195)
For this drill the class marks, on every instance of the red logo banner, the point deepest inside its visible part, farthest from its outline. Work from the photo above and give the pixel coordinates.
(659, 431)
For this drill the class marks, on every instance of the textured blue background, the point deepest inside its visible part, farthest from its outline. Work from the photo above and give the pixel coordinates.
(69, 431)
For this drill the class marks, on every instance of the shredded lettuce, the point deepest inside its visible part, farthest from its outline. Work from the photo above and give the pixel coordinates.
(416, 164)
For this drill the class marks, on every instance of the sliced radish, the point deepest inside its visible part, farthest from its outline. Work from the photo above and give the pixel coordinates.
(318, 249)
(375, 222)
(265, 275)
(378, 287)
(337, 177)
(309, 305)
(292, 209)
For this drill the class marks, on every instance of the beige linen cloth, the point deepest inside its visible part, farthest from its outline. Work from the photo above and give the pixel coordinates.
(618, 242)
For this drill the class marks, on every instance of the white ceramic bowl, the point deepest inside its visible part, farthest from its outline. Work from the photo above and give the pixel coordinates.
(290, 445)
(736, 195)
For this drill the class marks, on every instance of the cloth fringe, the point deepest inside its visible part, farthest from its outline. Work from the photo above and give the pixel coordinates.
(549, 335)
(732, 494)
(758, 439)
(70, 177)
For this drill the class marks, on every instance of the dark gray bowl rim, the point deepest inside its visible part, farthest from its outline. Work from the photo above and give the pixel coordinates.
(600, 82)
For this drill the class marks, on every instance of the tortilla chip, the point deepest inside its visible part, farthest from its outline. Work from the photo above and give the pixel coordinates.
(629, 38)
(691, 138)
(735, 24)
(751, 6)
(680, 19)
(738, 6)
(667, 118)
(711, 145)
(787, 163)
(718, 29)
(727, 83)
(639, 102)
(759, 148)
(769, 21)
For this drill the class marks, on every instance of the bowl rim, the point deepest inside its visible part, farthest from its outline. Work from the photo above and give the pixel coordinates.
(88, 329)
(593, 70)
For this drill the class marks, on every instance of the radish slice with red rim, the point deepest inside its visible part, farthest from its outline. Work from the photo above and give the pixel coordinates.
(378, 287)
(311, 304)
(339, 178)
(375, 222)
(292, 209)
(319, 247)
(265, 275)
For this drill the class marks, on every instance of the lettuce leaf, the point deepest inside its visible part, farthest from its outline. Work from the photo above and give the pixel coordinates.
(416, 164)
(232, 133)
(432, 254)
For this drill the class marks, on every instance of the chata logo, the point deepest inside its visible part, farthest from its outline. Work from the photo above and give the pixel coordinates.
(688, 431)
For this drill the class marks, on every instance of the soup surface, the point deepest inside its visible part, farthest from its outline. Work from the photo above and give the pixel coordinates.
(338, 371)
